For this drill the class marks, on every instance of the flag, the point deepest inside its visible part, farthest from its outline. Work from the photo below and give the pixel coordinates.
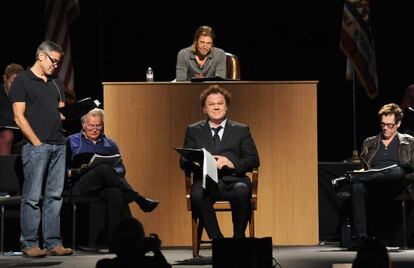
(59, 15)
(357, 43)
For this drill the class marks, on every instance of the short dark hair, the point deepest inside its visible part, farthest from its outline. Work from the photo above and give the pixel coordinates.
(127, 235)
(215, 89)
(372, 253)
(391, 108)
(13, 68)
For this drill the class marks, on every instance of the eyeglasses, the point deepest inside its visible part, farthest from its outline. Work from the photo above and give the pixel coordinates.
(55, 62)
(207, 44)
(97, 127)
(388, 125)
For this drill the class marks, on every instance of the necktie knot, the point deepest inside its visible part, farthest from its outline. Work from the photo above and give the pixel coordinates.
(216, 130)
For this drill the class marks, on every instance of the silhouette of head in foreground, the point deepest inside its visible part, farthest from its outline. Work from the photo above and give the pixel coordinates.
(131, 245)
(372, 253)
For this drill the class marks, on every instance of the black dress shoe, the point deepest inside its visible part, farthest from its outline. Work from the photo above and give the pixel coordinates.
(146, 204)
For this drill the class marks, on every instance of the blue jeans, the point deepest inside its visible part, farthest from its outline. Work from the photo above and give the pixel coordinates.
(44, 175)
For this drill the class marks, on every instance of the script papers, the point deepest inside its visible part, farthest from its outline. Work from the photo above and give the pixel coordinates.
(204, 159)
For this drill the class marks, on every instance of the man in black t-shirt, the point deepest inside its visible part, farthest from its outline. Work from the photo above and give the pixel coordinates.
(36, 95)
(387, 149)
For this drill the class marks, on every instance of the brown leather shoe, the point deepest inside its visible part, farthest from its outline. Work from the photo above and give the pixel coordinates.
(34, 252)
(59, 251)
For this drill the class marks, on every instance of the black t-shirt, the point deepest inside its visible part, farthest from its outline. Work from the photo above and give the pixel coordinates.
(386, 156)
(6, 109)
(42, 103)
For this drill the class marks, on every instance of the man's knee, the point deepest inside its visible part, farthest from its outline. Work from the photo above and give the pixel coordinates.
(197, 196)
(112, 194)
(103, 169)
(197, 193)
(357, 187)
(242, 191)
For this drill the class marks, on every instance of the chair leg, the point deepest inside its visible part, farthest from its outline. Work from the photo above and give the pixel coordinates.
(2, 230)
(251, 225)
(195, 243)
(404, 224)
(74, 208)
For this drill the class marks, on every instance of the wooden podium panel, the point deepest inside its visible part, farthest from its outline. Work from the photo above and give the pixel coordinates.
(148, 119)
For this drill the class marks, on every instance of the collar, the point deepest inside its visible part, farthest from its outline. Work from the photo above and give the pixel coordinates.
(222, 124)
(32, 76)
(402, 138)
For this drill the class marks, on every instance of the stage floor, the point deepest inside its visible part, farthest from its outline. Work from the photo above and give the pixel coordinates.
(326, 256)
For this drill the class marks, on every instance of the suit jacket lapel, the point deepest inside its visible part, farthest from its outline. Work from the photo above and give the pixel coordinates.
(227, 132)
(208, 138)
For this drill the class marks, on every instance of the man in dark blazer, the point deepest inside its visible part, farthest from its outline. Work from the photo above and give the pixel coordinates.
(235, 152)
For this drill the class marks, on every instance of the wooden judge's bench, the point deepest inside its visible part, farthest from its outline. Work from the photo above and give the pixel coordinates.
(148, 119)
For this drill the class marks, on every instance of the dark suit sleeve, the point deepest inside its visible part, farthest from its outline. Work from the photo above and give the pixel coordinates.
(248, 157)
(189, 142)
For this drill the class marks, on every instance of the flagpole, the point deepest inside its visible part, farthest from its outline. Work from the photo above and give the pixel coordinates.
(355, 155)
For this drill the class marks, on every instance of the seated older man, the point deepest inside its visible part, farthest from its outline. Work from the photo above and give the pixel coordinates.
(103, 180)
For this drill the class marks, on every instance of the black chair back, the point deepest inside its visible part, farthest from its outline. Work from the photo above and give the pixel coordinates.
(11, 174)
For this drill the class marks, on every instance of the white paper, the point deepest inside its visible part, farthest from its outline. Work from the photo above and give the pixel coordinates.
(372, 170)
(110, 159)
(209, 167)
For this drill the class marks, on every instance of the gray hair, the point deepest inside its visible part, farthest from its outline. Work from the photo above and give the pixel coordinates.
(48, 46)
(94, 112)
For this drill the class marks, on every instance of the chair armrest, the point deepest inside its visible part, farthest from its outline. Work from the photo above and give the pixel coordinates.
(255, 182)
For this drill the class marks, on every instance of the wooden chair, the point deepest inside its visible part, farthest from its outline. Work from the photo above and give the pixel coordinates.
(232, 67)
(197, 227)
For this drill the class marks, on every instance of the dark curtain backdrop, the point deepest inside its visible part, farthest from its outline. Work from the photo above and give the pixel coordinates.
(279, 40)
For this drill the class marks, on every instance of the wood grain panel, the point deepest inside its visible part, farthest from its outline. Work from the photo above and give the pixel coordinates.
(148, 119)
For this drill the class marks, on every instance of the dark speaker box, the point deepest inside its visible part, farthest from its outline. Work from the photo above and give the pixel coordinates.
(242, 252)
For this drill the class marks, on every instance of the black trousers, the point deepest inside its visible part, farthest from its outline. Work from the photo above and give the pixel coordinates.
(118, 209)
(366, 189)
(236, 191)
(103, 181)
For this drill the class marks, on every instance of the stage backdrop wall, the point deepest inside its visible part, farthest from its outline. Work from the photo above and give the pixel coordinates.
(148, 119)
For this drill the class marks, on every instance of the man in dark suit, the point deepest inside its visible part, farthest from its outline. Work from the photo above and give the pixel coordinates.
(235, 152)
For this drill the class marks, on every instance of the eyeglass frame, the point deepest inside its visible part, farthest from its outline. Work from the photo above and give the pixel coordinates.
(388, 125)
(55, 62)
(97, 127)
